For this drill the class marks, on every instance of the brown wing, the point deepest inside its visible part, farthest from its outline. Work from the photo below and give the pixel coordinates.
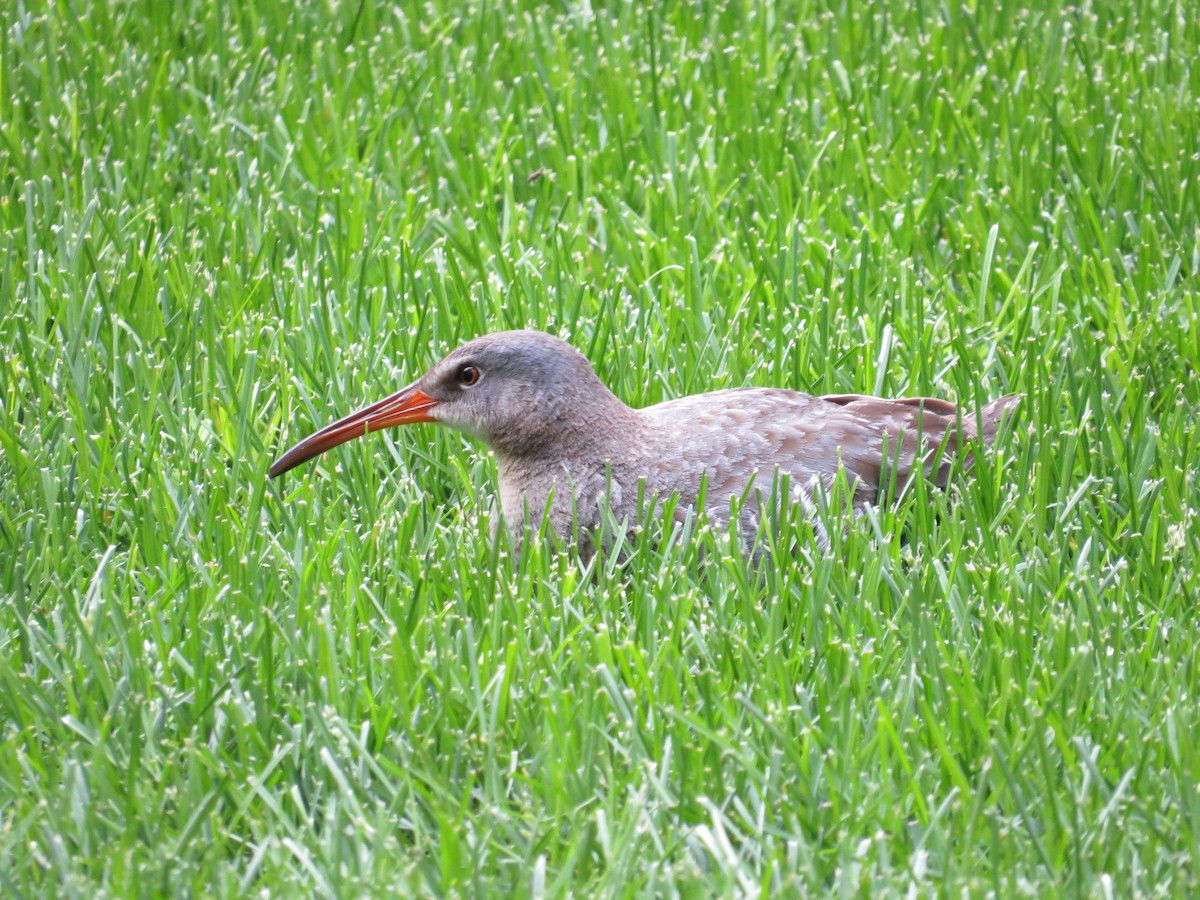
(925, 427)
(903, 410)
(738, 439)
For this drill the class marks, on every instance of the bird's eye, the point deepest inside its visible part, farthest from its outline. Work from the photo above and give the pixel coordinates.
(468, 375)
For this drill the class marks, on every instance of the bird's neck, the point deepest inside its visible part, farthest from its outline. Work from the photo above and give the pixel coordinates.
(567, 470)
(567, 424)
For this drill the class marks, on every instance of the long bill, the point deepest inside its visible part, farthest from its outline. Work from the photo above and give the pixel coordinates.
(402, 408)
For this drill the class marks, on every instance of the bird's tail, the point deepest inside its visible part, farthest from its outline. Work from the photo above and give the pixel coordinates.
(991, 417)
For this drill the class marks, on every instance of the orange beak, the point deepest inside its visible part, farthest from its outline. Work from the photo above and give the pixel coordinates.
(402, 408)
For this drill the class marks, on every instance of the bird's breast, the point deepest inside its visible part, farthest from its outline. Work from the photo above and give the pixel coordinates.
(570, 493)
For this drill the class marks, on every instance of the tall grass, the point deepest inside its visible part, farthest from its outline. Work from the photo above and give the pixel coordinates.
(225, 224)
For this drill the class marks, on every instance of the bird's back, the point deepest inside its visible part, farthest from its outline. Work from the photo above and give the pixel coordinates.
(739, 440)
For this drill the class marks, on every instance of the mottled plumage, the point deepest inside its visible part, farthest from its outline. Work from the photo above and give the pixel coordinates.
(562, 439)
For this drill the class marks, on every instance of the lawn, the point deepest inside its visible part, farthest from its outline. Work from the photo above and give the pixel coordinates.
(226, 224)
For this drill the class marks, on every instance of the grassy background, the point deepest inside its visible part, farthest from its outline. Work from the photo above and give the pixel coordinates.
(225, 224)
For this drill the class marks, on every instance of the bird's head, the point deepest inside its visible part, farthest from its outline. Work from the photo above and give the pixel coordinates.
(523, 393)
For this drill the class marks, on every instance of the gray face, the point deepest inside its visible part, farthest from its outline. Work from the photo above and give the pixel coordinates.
(520, 392)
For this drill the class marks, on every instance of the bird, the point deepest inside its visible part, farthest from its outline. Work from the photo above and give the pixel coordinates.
(566, 446)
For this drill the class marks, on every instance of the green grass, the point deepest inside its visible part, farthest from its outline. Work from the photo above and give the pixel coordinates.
(223, 224)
